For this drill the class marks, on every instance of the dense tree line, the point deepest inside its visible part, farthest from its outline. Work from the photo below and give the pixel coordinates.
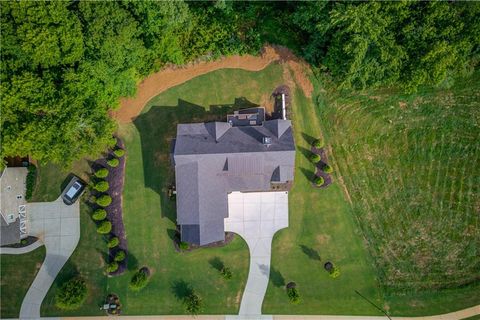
(65, 64)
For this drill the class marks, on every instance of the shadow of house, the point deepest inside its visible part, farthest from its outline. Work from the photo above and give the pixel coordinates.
(157, 129)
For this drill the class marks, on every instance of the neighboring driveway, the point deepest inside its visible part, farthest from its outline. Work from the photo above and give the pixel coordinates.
(58, 227)
(256, 216)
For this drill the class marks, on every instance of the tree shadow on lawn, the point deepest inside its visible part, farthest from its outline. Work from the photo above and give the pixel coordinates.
(309, 174)
(157, 129)
(308, 138)
(310, 252)
(306, 152)
(277, 279)
(216, 263)
(181, 289)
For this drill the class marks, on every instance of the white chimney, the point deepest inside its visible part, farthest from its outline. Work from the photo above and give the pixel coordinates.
(284, 111)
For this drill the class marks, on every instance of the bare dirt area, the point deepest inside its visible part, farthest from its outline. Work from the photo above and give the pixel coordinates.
(174, 75)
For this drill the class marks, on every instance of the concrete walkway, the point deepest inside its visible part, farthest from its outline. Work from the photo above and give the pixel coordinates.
(58, 227)
(256, 216)
(27, 249)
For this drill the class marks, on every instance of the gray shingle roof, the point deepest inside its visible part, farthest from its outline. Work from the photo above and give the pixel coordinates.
(212, 160)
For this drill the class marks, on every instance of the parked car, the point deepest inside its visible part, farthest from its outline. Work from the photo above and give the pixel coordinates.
(73, 190)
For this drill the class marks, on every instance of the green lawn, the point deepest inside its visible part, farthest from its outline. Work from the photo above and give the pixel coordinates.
(411, 166)
(17, 273)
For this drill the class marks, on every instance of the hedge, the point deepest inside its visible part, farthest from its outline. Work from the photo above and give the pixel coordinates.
(113, 162)
(104, 200)
(119, 152)
(104, 227)
(120, 256)
(101, 186)
(99, 214)
(113, 242)
(31, 180)
(101, 173)
(139, 280)
(71, 295)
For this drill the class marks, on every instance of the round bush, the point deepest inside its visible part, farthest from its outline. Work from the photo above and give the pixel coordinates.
(71, 295)
(99, 215)
(119, 152)
(226, 273)
(101, 173)
(112, 267)
(113, 162)
(314, 158)
(104, 201)
(101, 186)
(318, 143)
(139, 280)
(327, 169)
(113, 242)
(319, 181)
(120, 256)
(104, 227)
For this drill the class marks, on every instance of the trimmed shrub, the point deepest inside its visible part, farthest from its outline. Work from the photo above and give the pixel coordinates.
(23, 241)
(101, 186)
(319, 181)
(113, 162)
(193, 303)
(120, 256)
(113, 242)
(113, 142)
(119, 152)
(314, 158)
(104, 201)
(104, 227)
(226, 273)
(71, 295)
(99, 215)
(112, 267)
(335, 272)
(318, 143)
(31, 180)
(184, 245)
(139, 280)
(293, 295)
(101, 173)
(327, 169)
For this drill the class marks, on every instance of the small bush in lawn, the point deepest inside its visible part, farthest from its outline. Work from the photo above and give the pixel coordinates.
(101, 173)
(184, 245)
(104, 227)
(293, 295)
(335, 272)
(314, 158)
(112, 267)
(318, 143)
(31, 180)
(327, 169)
(113, 162)
(71, 295)
(318, 181)
(99, 215)
(104, 201)
(139, 280)
(226, 273)
(101, 186)
(193, 303)
(113, 242)
(120, 256)
(119, 152)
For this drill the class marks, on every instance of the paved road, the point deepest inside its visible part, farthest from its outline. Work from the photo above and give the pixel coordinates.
(58, 227)
(256, 216)
(27, 249)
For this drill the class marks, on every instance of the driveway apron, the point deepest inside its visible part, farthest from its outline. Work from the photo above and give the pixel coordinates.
(256, 216)
(58, 227)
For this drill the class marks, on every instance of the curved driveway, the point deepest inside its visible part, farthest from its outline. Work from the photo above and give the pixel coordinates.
(256, 216)
(58, 227)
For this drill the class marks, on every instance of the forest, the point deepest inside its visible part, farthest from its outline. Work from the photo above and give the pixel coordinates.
(65, 65)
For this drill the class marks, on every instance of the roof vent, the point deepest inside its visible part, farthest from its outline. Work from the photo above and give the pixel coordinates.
(267, 141)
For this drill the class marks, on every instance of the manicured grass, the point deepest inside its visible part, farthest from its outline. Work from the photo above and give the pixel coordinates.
(411, 166)
(17, 273)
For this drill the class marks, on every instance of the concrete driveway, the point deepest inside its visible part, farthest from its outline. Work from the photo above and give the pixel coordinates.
(256, 216)
(58, 227)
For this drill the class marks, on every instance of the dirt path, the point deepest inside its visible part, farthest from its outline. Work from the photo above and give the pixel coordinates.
(173, 76)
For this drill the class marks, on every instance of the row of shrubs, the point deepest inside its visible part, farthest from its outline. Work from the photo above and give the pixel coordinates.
(315, 158)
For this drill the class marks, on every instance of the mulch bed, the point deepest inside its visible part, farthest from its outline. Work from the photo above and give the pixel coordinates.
(29, 241)
(115, 179)
(319, 166)
(229, 236)
(277, 106)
